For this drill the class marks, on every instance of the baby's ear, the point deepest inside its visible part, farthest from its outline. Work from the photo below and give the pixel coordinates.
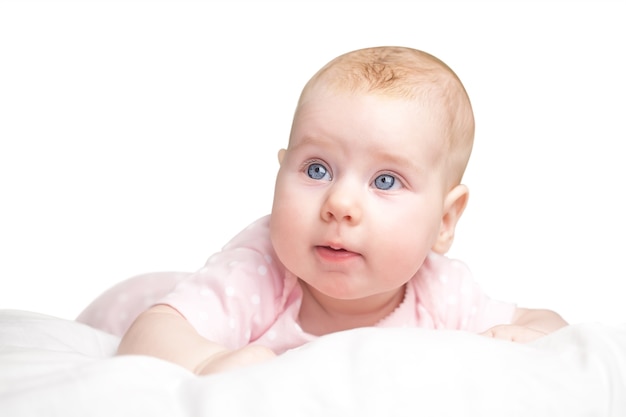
(453, 208)
(281, 155)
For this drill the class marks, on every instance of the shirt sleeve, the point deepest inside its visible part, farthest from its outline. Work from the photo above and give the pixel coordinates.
(237, 295)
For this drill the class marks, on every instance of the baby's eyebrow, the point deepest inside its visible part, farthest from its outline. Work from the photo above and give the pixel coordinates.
(378, 155)
(396, 160)
(313, 141)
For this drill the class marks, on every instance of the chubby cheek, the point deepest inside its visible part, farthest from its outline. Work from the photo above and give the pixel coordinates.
(287, 223)
(294, 203)
(400, 255)
(404, 242)
(279, 235)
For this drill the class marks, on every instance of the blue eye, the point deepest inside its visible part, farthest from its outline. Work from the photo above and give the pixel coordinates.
(384, 182)
(317, 172)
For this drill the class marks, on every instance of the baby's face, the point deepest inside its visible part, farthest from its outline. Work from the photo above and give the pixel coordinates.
(359, 195)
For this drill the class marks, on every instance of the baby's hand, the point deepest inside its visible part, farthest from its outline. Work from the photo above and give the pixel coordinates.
(514, 333)
(233, 359)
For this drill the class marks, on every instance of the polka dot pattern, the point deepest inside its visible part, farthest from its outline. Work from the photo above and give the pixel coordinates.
(244, 295)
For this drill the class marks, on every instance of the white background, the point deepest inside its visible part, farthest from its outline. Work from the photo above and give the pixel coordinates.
(139, 137)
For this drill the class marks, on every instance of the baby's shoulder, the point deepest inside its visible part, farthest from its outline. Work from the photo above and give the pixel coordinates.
(441, 271)
(254, 236)
(247, 261)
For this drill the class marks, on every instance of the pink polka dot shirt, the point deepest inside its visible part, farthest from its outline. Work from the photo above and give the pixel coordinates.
(245, 295)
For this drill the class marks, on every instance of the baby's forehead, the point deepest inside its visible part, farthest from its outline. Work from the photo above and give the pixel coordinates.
(433, 104)
(434, 88)
(408, 74)
(328, 113)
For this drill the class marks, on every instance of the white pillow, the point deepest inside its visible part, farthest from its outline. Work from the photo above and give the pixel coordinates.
(55, 367)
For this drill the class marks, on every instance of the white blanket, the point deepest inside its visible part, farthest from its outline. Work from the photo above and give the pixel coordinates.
(55, 367)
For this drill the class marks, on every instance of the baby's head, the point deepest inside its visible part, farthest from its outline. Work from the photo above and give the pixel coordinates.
(370, 181)
(406, 74)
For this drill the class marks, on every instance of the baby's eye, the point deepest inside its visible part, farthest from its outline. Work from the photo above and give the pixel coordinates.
(317, 172)
(385, 182)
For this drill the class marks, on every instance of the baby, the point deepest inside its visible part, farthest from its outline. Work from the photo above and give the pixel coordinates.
(367, 199)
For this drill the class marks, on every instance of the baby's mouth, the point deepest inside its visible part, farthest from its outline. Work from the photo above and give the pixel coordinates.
(335, 249)
(334, 253)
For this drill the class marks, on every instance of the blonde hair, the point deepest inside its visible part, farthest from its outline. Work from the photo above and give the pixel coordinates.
(410, 74)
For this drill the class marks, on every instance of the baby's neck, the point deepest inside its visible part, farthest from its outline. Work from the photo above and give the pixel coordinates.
(320, 315)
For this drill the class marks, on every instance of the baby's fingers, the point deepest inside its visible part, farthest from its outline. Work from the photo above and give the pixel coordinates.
(514, 333)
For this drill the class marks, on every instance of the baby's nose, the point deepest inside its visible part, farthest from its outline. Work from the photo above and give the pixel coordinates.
(342, 203)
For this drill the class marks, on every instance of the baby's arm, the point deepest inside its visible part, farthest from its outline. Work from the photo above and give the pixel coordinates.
(164, 333)
(527, 325)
